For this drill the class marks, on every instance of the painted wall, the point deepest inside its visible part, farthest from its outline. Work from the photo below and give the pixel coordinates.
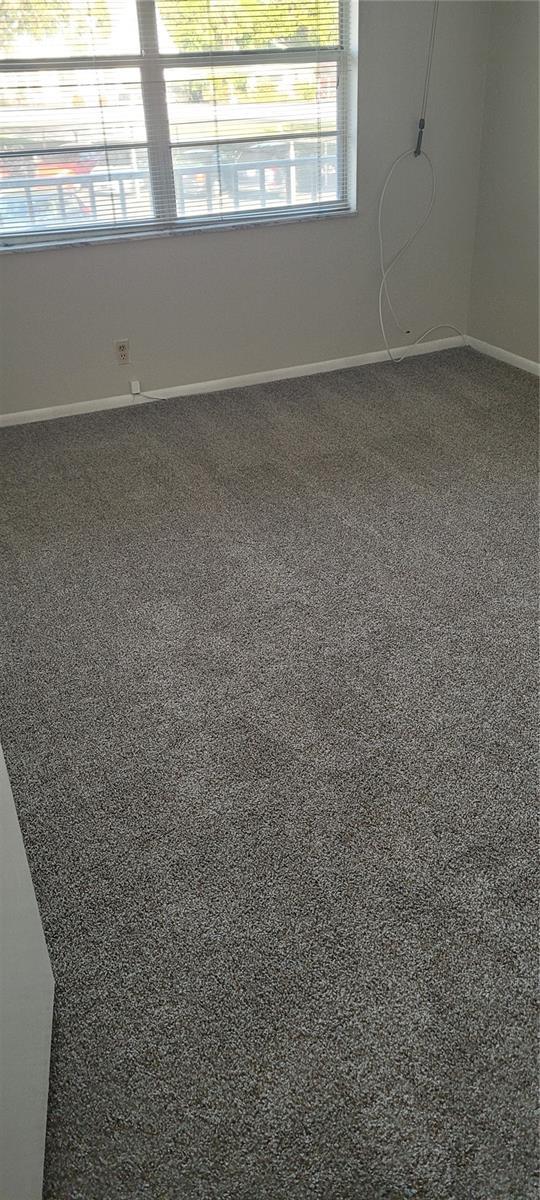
(211, 305)
(26, 1001)
(504, 282)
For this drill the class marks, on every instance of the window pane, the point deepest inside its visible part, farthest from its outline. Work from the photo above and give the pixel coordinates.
(67, 28)
(46, 192)
(196, 180)
(246, 24)
(255, 175)
(251, 101)
(70, 108)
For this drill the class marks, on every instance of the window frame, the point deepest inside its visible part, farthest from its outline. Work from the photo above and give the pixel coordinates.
(152, 64)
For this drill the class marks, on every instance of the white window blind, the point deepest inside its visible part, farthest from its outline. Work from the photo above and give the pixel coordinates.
(128, 116)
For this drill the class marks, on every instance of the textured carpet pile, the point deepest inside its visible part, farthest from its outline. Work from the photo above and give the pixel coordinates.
(268, 712)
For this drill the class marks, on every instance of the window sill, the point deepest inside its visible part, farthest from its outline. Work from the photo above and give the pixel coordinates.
(177, 230)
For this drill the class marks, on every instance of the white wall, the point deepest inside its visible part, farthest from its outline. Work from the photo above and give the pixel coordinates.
(211, 305)
(26, 1000)
(504, 282)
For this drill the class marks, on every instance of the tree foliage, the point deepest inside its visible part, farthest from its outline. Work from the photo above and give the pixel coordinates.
(192, 24)
(40, 20)
(32, 17)
(246, 24)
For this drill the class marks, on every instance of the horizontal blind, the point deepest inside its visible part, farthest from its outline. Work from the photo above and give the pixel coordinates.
(120, 116)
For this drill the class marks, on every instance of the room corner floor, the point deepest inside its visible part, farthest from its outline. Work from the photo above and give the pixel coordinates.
(268, 712)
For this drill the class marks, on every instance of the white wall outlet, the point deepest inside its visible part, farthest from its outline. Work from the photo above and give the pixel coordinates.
(121, 349)
(135, 387)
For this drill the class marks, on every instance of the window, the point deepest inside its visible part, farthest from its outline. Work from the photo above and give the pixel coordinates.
(121, 117)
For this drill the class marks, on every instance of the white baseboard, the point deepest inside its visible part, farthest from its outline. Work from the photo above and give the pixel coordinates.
(64, 410)
(237, 381)
(515, 360)
(218, 385)
(26, 1011)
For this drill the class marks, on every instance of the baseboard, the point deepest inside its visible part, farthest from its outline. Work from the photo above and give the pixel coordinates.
(64, 410)
(218, 385)
(515, 360)
(26, 1013)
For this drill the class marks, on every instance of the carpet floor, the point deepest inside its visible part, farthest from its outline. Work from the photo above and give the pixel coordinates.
(268, 712)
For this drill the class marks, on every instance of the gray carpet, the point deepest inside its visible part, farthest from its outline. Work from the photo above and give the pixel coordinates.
(268, 711)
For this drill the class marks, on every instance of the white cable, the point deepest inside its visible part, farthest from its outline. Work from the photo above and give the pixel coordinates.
(385, 271)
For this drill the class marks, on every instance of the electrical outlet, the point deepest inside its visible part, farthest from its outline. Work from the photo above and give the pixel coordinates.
(121, 349)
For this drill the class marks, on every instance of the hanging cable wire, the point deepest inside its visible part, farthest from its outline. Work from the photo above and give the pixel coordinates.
(416, 153)
(430, 57)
